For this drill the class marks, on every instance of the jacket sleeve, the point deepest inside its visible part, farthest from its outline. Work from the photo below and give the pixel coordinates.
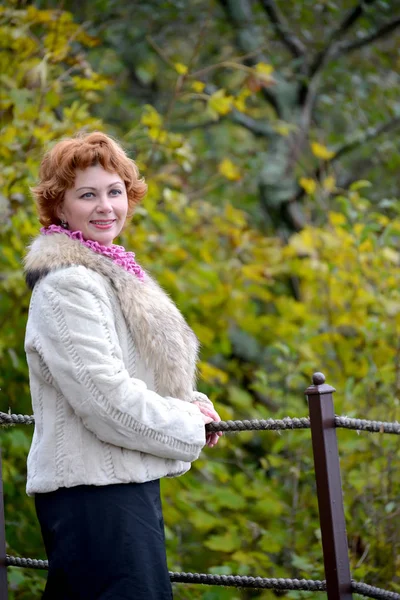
(74, 321)
(201, 399)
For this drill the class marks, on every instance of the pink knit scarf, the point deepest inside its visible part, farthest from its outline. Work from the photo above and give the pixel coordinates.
(118, 254)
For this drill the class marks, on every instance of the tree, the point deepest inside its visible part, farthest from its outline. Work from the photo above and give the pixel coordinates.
(308, 91)
(298, 96)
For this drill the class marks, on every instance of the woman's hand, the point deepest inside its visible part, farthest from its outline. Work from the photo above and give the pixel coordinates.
(210, 415)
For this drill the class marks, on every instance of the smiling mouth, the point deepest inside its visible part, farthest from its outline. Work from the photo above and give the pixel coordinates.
(109, 222)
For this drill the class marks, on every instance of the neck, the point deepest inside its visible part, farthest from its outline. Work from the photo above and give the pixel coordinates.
(118, 254)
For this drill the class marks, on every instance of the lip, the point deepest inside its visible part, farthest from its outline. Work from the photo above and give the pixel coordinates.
(104, 225)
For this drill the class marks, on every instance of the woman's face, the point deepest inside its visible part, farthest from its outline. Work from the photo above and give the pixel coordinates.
(97, 205)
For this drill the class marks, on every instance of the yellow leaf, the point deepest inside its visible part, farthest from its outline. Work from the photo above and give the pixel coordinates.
(229, 170)
(321, 151)
(211, 374)
(254, 273)
(157, 135)
(395, 226)
(366, 246)
(308, 185)
(358, 229)
(235, 216)
(205, 334)
(329, 183)
(240, 100)
(40, 16)
(264, 71)
(9, 135)
(282, 128)
(220, 103)
(336, 218)
(383, 220)
(303, 243)
(198, 86)
(150, 117)
(180, 68)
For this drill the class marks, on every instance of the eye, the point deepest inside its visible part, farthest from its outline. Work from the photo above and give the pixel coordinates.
(117, 190)
(87, 195)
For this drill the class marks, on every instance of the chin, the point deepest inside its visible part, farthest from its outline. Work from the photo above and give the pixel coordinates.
(105, 238)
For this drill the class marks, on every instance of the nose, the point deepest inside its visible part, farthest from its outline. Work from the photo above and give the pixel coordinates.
(104, 204)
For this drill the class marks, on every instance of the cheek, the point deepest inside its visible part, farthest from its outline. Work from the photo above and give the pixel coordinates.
(79, 211)
(123, 209)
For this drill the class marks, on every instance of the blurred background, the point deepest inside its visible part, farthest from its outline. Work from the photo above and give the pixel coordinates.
(269, 135)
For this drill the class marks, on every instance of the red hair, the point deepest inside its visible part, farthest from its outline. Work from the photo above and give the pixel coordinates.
(58, 167)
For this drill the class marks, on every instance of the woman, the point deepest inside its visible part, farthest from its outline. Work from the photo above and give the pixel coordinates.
(112, 372)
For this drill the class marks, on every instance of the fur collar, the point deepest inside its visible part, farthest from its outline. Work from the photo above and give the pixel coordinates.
(164, 340)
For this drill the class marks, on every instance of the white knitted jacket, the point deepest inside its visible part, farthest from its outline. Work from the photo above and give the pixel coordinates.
(112, 368)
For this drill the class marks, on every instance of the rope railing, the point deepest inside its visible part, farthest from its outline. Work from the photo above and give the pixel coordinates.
(240, 581)
(258, 424)
(9, 419)
(363, 589)
(322, 422)
(365, 425)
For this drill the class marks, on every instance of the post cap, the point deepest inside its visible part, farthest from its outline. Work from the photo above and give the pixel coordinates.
(319, 387)
(318, 378)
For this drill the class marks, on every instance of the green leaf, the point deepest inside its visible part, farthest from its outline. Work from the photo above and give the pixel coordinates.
(227, 542)
(359, 185)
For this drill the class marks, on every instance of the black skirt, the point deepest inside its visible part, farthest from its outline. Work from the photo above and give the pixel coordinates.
(104, 542)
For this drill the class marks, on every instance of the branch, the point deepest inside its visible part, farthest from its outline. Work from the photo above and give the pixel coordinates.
(352, 16)
(346, 47)
(185, 127)
(370, 134)
(357, 169)
(240, 14)
(292, 42)
(258, 128)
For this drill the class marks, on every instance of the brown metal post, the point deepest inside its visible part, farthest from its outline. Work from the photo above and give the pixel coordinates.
(329, 489)
(3, 568)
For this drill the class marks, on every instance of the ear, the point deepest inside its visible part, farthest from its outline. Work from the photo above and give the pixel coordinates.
(59, 212)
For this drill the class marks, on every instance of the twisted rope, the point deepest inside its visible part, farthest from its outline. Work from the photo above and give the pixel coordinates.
(364, 425)
(309, 585)
(30, 563)
(7, 419)
(248, 425)
(260, 424)
(373, 592)
(257, 424)
(204, 578)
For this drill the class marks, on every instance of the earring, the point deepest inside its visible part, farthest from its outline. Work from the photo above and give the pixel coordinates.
(64, 224)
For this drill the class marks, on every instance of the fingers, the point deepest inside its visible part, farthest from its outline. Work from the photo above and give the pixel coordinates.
(216, 434)
(206, 419)
(212, 439)
(210, 415)
(207, 410)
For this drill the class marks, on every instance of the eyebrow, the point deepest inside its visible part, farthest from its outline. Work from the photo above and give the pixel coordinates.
(87, 187)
